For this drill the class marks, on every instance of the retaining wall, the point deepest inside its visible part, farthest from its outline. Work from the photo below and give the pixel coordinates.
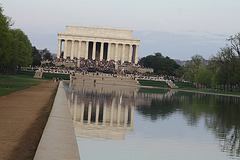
(58, 141)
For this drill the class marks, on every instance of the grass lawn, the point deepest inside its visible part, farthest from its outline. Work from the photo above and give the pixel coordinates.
(191, 87)
(24, 80)
(184, 86)
(153, 83)
(48, 76)
(211, 91)
(10, 83)
(152, 90)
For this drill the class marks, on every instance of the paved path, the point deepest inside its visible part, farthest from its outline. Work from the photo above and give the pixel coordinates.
(23, 115)
(58, 141)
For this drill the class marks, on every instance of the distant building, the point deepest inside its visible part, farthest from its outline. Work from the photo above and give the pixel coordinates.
(42, 52)
(98, 43)
(54, 55)
(183, 63)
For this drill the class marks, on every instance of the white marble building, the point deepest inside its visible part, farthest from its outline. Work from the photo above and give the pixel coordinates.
(98, 43)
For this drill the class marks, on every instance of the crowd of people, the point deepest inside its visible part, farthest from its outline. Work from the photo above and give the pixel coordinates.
(115, 68)
(112, 67)
(96, 65)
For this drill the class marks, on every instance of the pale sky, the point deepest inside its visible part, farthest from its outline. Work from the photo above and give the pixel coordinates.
(176, 28)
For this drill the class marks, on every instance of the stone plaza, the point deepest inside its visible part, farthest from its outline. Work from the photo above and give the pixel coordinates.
(98, 43)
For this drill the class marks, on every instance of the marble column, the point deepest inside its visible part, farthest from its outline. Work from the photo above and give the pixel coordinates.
(112, 112)
(119, 114)
(59, 48)
(111, 116)
(65, 49)
(123, 53)
(75, 110)
(94, 51)
(108, 51)
(132, 114)
(116, 52)
(82, 112)
(72, 50)
(86, 52)
(130, 53)
(101, 51)
(97, 112)
(79, 49)
(136, 54)
(104, 112)
(89, 112)
(125, 116)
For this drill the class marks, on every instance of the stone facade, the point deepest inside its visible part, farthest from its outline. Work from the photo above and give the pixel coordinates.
(98, 43)
(139, 70)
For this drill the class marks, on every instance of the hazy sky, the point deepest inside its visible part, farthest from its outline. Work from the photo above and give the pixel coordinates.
(176, 28)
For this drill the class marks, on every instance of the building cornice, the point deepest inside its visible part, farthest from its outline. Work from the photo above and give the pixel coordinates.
(78, 36)
(102, 28)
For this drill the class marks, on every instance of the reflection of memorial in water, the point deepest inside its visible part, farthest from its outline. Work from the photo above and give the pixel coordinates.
(145, 98)
(106, 112)
(102, 111)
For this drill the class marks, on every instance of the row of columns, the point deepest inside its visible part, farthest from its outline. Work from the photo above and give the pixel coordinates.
(83, 52)
(111, 115)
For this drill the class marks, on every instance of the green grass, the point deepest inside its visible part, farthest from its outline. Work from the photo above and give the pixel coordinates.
(24, 80)
(212, 91)
(51, 75)
(191, 87)
(27, 73)
(184, 85)
(10, 83)
(152, 90)
(153, 83)
(48, 76)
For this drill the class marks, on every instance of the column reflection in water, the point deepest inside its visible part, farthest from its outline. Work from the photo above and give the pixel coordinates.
(102, 112)
(214, 117)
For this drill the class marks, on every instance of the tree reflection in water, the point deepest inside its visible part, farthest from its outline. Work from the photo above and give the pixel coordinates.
(221, 113)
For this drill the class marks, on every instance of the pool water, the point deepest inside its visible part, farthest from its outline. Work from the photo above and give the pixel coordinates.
(117, 122)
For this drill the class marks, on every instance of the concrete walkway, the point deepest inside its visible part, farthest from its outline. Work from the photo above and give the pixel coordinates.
(58, 141)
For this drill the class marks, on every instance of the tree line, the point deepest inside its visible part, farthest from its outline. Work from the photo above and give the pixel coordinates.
(15, 47)
(221, 73)
(16, 50)
(223, 120)
(161, 65)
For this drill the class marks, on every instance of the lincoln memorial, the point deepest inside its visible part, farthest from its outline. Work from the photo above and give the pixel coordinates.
(98, 43)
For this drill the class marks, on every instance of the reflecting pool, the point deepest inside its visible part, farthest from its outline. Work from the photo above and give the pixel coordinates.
(117, 122)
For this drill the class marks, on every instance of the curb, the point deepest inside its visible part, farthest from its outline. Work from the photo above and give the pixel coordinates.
(58, 141)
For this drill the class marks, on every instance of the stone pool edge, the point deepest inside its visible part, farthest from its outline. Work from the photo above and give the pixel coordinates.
(58, 140)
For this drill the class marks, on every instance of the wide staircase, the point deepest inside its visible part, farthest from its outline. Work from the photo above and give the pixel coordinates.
(103, 79)
(171, 84)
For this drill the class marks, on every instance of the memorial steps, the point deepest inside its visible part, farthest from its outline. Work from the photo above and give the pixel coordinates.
(104, 79)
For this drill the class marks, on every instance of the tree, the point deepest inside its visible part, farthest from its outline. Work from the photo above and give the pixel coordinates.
(160, 64)
(21, 52)
(192, 67)
(147, 61)
(5, 23)
(203, 77)
(235, 43)
(179, 72)
(227, 65)
(36, 57)
(15, 47)
(4, 39)
(47, 55)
